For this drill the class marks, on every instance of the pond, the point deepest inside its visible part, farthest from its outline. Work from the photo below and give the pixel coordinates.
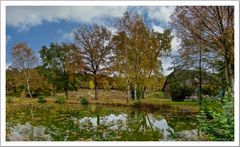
(71, 122)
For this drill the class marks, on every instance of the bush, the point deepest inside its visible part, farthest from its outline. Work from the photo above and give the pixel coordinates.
(41, 92)
(209, 90)
(216, 118)
(84, 101)
(136, 103)
(9, 99)
(41, 99)
(159, 94)
(60, 100)
(179, 92)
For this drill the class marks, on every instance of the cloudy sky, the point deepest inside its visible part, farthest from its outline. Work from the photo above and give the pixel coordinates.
(41, 25)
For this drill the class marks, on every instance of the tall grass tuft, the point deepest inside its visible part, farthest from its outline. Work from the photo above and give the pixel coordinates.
(83, 101)
(41, 99)
(60, 100)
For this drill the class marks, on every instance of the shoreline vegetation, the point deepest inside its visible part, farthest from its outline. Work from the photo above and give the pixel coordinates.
(109, 98)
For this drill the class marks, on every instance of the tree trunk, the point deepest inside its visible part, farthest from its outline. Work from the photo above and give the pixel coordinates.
(135, 92)
(229, 73)
(143, 92)
(96, 92)
(96, 88)
(54, 89)
(27, 77)
(28, 89)
(66, 92)
(128, 91)
(75, 88)
(200, 75)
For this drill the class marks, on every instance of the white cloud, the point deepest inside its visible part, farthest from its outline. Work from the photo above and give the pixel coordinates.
(160, 13)
(8, 65)
(65, 35)
(175, 43)
(166, 63)
(25, 17)
(157, 28)
(68, 36)
(8, 37)
(113, 30)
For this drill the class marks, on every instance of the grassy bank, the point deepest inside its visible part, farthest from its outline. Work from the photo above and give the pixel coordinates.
(117, 98)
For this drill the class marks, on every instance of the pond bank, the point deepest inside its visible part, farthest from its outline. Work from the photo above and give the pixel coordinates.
(185, 107)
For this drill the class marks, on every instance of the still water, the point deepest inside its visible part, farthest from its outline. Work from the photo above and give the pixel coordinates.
(54, 122)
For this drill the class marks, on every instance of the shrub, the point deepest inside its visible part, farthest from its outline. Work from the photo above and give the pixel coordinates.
(136, 103)
(41, 92)
(158, 94)
(179, 92)
(209, 90)
(9, 99)
(60, 100)
(83, 101)
(41, 99)
(216, 118)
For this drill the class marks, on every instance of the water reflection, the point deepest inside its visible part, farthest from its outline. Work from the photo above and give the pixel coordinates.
(161, 125)
(119, 122)
(98, 123)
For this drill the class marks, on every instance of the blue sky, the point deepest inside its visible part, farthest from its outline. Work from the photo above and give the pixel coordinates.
(41, 25)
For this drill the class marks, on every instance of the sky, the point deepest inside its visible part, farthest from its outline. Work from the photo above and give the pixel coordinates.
(41, 25)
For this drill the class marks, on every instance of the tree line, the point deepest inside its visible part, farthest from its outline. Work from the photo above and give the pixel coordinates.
(132, 54)
(131, 57)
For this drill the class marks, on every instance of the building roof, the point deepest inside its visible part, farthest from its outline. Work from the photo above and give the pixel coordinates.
(183, 75)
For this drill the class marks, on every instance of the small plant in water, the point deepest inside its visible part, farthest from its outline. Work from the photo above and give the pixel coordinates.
(60, 100)
(41, 99)
(83, 101)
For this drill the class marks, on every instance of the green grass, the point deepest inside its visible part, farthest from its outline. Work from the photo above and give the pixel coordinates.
(41, 99)
(60, 100)
(167, 101)
(115, 98)
(159, 95)
(9, 99)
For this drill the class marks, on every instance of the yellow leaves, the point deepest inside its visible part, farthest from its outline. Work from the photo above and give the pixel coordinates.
(91, 84)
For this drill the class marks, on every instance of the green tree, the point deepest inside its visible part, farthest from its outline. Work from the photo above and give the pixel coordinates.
(95, 46)
(59, 63)
(23, 59)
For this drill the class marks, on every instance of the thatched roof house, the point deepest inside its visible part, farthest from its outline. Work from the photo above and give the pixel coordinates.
(189, 78)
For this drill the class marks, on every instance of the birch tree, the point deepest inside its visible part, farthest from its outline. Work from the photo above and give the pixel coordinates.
(138, 51)
(23, 59)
